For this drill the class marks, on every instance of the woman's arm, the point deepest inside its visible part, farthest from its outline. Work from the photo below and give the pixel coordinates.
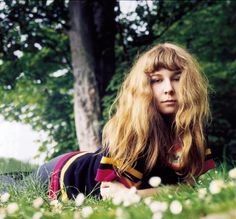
(110, 189)
(147, 192)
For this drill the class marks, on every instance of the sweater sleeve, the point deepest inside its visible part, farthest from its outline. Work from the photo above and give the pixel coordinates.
(108, 171)
(209, 162)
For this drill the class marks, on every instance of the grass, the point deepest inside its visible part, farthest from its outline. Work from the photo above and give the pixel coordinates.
(13, 165)
(223, 203)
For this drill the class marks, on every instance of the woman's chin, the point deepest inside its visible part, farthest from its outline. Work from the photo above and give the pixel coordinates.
(168, 112)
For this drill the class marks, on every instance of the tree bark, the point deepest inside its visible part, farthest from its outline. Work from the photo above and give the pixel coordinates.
(86, 100)
(104, 36)
(92, 37)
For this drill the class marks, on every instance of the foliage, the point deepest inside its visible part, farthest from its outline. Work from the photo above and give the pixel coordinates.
(140, 29)
(36, 80)
(207, 32)
(34, 46)
(201, 32)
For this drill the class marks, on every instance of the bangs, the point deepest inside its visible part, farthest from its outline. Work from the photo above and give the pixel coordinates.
(164, 57)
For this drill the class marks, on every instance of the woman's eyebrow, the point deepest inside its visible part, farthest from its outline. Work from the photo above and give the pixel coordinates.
(177, 73)
(155, 74)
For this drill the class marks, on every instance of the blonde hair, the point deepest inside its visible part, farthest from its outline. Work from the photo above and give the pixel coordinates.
(138, 129)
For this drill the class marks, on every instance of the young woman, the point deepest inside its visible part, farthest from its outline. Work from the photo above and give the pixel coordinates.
(158, 126)
(157, 129)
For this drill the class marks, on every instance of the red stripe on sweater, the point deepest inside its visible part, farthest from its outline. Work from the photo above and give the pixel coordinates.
(107, 175)
(209, 164)
(54, 183)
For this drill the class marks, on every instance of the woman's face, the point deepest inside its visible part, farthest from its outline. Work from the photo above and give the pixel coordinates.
(165, 86)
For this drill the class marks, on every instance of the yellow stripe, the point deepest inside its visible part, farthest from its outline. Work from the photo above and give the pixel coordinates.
(64, 196)
(208, 151)
(107, 160)
(134, 172)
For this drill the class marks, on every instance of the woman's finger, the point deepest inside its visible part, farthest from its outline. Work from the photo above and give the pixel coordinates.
(105, 193)
(105, 184)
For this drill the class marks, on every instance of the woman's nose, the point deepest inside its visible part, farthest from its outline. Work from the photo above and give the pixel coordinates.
(168, 87)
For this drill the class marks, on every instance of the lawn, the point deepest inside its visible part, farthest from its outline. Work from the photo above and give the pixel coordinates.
(13, 165)
(212, 197)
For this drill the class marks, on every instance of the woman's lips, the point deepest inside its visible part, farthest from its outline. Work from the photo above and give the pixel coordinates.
(168, 101)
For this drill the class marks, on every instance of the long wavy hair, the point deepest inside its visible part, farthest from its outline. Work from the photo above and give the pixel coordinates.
(137, 129)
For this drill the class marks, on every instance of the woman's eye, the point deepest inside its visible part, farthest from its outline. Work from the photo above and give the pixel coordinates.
(176, 79)
(155, 81)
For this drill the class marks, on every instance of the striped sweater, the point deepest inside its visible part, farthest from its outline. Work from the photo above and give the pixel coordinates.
(82, 172)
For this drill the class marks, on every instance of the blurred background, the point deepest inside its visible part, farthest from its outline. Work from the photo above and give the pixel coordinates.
(62, 63)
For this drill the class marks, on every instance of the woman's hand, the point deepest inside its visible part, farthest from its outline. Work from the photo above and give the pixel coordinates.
(110, 189)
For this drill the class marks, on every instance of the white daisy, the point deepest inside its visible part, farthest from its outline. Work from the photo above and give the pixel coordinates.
(12, 208)
(155, 181)
(175, 207)
(86, 211)
(216, 186)
(38, 202)
(232, 173)
(79, 199)
(5, 197)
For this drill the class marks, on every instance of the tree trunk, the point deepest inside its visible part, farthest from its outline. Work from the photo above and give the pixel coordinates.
(104, 36)
(86, 100)
(92, 37)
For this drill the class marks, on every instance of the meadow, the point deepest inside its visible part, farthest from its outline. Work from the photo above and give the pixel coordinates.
(212, 197)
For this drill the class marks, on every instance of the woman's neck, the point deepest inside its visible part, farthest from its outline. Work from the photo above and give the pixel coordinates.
(169, 119)
(169, 123)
